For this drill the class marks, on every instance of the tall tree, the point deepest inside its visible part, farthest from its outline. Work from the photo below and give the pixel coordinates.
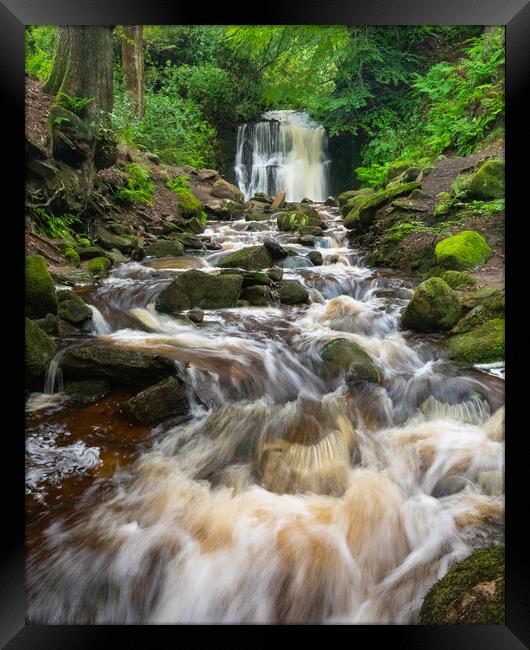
(133, 65)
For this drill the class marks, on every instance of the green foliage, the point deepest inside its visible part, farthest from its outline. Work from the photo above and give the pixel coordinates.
(373, 176)
(39, 42)
(75, 104)
(55, 226)
(140, 187)
(203, 218)
(401, 230)
(188, 203)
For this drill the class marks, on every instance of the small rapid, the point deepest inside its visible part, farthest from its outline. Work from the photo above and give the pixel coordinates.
(289, 495)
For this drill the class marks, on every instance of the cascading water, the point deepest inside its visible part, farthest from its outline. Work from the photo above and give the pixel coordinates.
(288, 496)
(285, 152)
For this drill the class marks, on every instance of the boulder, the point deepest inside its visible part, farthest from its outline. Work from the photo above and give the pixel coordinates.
(73, 277)
(119, 365)
(332, 202)
(350, 194)
(464, 250)
(72, 308)
(164, 248)
(276, 250)
(251, 278)
(189, 241)
(165, 399)
(278, 202)
(257, 295)
(316, 258)
(343, 355)
(89, 252)
(296, 262)
(224, 190)
(193, 225)
(188, 205)
(292, 292)
(260, 197)
(88, 391)
(296, 219)
(362, 208)
(39, 349)
(487, 183)
(109, 240)
(433, 306)
(470, 593)
(224, 209)
(40, 289)
(455, 279)
(481, 344)
(99, 267)
(55, 326)
(275, 273)
(250, 258)
(208, 175)
(198, 289)
(196, 315)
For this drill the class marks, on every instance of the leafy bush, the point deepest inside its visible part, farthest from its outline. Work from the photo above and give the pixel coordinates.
(55, 226)
(39, 41)
(140, 187)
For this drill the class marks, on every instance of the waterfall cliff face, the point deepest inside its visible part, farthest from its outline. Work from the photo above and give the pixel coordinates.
(284, 152)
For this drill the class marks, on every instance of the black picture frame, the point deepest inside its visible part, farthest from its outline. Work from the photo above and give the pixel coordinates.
(515, 15)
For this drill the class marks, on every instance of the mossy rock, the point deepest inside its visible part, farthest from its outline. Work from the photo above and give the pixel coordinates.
(455, 279)
(482, 344)
(188, 240)
(109, 240)
(257, 295)
(296, 262)
(88, 391)
(471, 593)
(488, 182)
(39, 349)
(363, 208)
(252, 258)
(465, 250)
(188, 205)
(224, 190)
(55, 326)
(252, 278)
(198, 289)
(292, 292)
(72, 308)
(40, 289)
(350, 194)
(74, 277)
(224, 209)
(72, 256)
(341, 355)
(433, 306)
(165, 399)
(316, 258)
(164, 248)
(296, 220)
(99, 267)
(89, 252)
(490, 297)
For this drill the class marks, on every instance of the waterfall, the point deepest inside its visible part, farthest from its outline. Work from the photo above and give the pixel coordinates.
(285, 152)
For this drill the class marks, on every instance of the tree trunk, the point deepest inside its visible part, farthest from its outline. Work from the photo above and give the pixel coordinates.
(133, 66)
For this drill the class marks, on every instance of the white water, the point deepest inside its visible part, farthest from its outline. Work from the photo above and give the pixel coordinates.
(288, 496)
(286, 152)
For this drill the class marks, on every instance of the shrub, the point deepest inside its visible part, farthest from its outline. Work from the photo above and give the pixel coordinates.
(140, 187)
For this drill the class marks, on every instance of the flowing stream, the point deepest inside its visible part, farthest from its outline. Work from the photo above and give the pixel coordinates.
(286, 152)
(287, 496)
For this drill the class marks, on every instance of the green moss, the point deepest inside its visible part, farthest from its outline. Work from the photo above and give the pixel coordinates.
(189, 205)
(464, 250)
(363, 207)
(257, 295)
(72, 256)
(482, 344)
(164, 248)
(433, 306)
(252, 258)
(292, 292)
(455, 279)
(199, 289)
(72, 307)
(488, 182)
(39, 349)
(99, 266)
(88, 391)
(344, 355)
(298, 219)
(471, 593)
(40, 289)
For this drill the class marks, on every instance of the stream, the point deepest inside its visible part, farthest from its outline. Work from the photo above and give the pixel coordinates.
(287, 496)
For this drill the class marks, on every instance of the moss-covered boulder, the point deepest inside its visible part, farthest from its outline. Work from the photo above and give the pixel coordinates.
(188, 240)
(198, 289)
(164, 248)
(296, 262)
(99, 267)
(88, 252)
(224, 209)
(165, 399)
(123, 242)
(316, 258)
(73, 277)
(481, 344)
(119, 365)
(455, 279)
(487, 183)
(88, 391)
(292, 292)
(39, 348)
(252, 258)
(294, 220)
(40, 289)
(72, 256)
(433, 306)
(471, 593)
(363, 207)
(343, 355)
(253, 278)
(72, 308)
(257, 295)
(188, 205)
(224, 190)
(350, 194)
(464, 250)
(55, 326)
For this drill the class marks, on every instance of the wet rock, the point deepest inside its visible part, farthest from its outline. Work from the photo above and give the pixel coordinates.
(471, 593)
(119, 365)
(224, 209)
(213, 246)
(196, 315)
(256, 277)
(332, 259)
(89, 391)
(224, 190)
(296, 262)
(109, 240)
(296, 219)
(433, 306)
(455, 279)
(292, 292)
(72, 308)
(306, 240)
(194, 225)
(464, 250)
(362, 208)
(250, 258)
(257, 215)
(189, 241)
(208, 175)
(39, 350)
(332, 202)
(316, 258)
(276, 250)
(99, 267)
(197, 289)
(345, 197)
(312, 231)
(73, 277)
(89, 252)
(257, 295)
(481, 344)
(260, 197)
(164, 248)
(344, 355)
(275, 274)
(278, 202)
(40, 289)
(257, 227)
(55, 326)
(487, 183)
(165, 399)
(306, 200)
(117, 256)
